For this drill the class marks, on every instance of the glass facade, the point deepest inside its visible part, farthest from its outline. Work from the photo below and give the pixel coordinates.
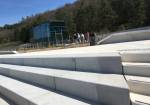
(41, 32)
(52, 32)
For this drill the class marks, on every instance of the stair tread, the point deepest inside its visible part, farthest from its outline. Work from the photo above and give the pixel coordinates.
(136, 64)
(139, 84)
(90, 86)
(138, 78)
(36, 95)
(136, 69)
(138, 98)
(97, 78)
(4, 101)
(136, 56)
(77, 62)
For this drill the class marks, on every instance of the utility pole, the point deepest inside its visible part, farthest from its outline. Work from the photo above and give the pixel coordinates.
(55, 38)
(48, 35)
(62, 37)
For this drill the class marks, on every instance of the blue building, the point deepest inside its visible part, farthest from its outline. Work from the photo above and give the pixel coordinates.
(52, 32)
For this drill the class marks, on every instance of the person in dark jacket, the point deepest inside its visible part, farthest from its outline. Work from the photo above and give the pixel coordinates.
(92, 39)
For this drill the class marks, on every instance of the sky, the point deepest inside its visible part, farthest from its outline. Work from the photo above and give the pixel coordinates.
(12, 11)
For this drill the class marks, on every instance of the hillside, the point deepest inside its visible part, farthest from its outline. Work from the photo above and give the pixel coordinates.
(100, 16)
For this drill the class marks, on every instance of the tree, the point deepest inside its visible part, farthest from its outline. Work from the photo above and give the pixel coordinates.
(88, 15)
(138, 17)
(25, 34)
(106, 15)
(67, 15)
(147, 12)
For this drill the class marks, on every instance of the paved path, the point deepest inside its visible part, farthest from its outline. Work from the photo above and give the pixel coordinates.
(137, 45)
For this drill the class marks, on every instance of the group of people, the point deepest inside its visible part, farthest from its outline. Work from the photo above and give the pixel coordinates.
(80, 38)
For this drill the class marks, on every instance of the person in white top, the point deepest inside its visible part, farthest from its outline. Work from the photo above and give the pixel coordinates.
(79, 38)
(82, 38)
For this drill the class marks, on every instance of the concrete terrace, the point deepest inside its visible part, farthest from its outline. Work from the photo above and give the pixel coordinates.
(116, 47)
(110, 74)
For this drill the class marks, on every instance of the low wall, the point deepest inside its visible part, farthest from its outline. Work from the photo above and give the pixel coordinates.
(126, 37)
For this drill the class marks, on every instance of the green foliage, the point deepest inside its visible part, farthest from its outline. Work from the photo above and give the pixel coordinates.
(25, 34)
(87, 15)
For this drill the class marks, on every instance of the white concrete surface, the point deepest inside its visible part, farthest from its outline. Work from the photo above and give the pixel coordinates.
(136, 69)
(138, 99)
(12, 61)
(25, 94)
(37, 76)
(109, 89)
(50, 62)
(142, 56)
(127, 37)
(98, 62)
(4, 101)
(140, 85)
(8, 52)
(125, 46)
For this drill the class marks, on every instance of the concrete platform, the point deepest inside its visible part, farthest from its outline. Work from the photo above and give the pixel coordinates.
(124, 46)
(136, 56)
(109, 89)
(138, 99)
(136, 69)
(97, 62)
(25, 94)
(140, 85)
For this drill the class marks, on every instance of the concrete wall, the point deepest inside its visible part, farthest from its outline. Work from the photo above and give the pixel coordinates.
(126, 37)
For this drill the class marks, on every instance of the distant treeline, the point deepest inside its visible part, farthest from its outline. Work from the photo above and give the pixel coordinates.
(100, 16)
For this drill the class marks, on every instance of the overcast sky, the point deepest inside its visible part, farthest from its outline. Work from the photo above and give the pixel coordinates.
(11, 11)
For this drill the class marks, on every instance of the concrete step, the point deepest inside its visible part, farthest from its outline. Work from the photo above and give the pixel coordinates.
(110, 89)
(138, 99)
(135, 56)
(136, 69)
(8, 52)
(4, 101)
(138, 84)
(25, 94)
(96, 62)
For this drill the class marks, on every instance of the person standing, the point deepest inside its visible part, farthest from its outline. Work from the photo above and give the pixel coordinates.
(79, 38)
(82, 38)
(87, 37)
(92, 39)
(75, 38)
